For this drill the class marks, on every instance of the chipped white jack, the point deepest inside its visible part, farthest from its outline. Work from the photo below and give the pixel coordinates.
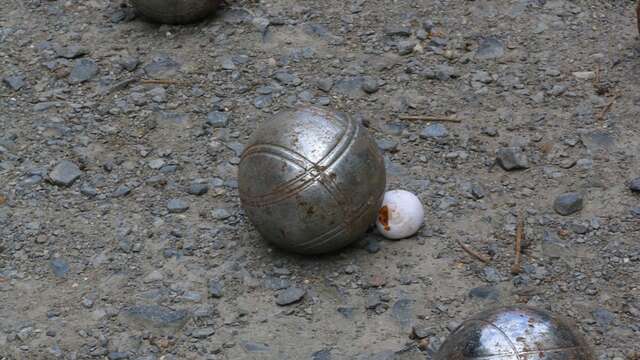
(401, 215)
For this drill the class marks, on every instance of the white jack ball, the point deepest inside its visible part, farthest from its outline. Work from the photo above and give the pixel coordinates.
(401, 215)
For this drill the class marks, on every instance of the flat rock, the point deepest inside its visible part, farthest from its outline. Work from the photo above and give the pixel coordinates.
(490, 48)
(162, 67)
(177, 206)
(568, 203)
(254, 347)
(203, 333)
(290, 296)
(65, 173)
(485, 293)
(434, 131)
(512, 158)
(218, 119)
(14, 82)
(198, 189)
(634, 185)
(59, 267)
(71, 51)
(154, 316)
(83, 70)
(215, 289)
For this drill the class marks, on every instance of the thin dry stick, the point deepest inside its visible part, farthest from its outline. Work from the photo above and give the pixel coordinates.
(429, 118)
(485, 259)
(515, 269)
(606, 108)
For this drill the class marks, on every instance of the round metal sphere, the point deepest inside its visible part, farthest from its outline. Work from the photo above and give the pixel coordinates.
(311, 180)
(515, 333)
(175, 11)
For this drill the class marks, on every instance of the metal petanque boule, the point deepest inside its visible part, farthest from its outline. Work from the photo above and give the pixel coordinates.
(175, 11)
(311, 180)
(514, 333)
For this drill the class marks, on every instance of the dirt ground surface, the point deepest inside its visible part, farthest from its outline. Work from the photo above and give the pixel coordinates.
(121, 231)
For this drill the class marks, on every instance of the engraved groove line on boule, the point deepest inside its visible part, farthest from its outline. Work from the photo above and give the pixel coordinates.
(314, 172)
(323, 240)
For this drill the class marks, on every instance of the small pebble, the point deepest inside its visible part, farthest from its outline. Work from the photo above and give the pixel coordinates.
(177, 206)
(568, 203)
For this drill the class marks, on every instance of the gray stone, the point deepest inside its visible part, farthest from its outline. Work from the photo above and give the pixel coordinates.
(324, 354)
(128, 63)
(553, 247)
(15, 82)
(215, 289)
(254, 347)
(397, 30)
(156, 164)
(402, 311)
(387, 145)
(489, 131)
(485, 293)
(203, 333)
(59, 267)
(262, 101)
(370, 85)
(406, 47)
(350, 87)
(490, 48)
(198, 189)
(421, 332)
(71, 51)
(154, 316)
(162, 67)
(491, 274)
(325, 84)
(512, 158)
(177, 206)
(634, 185)
(568, 203)
(287, 78)
(434, 131)
(121, 191)
(275, 283)
(373, 300)
(290, 296)
(118, 355)
(372, 246)
(603, 317)
(65, 173)
(88, 190)
(158, 95)
(218, 119)
(83, 70)
(220, 214)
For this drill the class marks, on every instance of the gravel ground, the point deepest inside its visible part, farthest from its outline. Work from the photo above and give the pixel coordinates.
(121, 234)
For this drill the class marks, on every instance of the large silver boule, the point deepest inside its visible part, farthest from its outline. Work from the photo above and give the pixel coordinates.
(515, 333)
(175, 11)
(311, 180)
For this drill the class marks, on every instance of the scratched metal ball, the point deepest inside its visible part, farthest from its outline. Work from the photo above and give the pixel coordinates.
(311, 180)
(175, 11)
(515, 333)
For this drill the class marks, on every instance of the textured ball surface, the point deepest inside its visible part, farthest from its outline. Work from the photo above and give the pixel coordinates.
(311, 180)
(175, 11)
(515, 333)
(401, 215)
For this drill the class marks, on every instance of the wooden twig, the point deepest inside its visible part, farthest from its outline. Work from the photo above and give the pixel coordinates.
(429, 118)
(516, 268)
(606, 108)
(485, 259)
